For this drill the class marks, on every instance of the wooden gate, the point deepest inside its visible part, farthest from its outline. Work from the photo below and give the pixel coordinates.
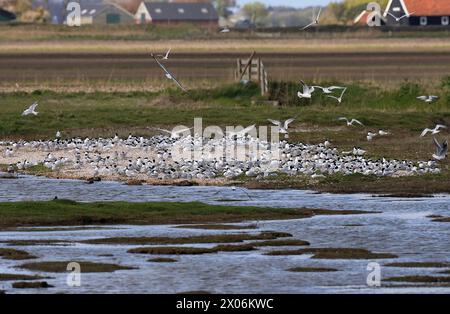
(252, 70)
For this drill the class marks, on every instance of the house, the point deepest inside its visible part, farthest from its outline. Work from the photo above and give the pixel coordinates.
(6, 16)
(176, 13)
(104, 13)
(418, 12)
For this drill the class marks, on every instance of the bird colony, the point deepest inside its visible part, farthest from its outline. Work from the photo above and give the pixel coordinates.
(155, 158)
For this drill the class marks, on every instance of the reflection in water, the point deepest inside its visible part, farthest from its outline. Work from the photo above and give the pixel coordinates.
(402, 228)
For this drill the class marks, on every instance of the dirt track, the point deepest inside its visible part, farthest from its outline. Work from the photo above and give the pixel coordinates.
(378, 66)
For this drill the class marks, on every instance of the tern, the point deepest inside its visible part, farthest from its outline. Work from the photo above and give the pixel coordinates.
(350, 123)
(307, 91)
(315, 20)
(282, 125)
(224, 30)
(58, 134)
(436, 130)
(441, 150)
(330, 89)
(169, 75)
(31, 110)
(166, 56)
(383, 133)
(339, 99)
(428, 99)
(398, 19)
(371, 135)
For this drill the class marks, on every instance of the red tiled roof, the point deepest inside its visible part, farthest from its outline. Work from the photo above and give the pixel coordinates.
(428, 7)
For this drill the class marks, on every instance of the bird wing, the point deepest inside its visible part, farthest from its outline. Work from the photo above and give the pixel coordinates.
(274, 122)
(343, 91)
(318, 14)
(422, 97)
(167, 53)
(173, 78)
(33, 106)
(336, 87)
(305, 27)
(357, 121)
(342, 118)
(424, 132)
(334, 97)
(440, 126)
(438, 146)
(287, 122)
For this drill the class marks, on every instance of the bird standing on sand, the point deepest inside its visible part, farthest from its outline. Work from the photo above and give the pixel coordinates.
(436, 130)
(31, 110)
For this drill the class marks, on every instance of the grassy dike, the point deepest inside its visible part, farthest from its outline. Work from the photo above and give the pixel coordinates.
(68, 213)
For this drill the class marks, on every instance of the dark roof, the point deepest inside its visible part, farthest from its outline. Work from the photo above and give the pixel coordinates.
(181, 11)
(6, 15)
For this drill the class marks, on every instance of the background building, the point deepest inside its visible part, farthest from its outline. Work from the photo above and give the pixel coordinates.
(176, 13)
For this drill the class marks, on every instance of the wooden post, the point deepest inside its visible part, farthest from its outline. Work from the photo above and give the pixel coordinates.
(247, 66)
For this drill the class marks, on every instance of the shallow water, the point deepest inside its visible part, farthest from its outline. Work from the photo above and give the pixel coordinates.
(401, 228)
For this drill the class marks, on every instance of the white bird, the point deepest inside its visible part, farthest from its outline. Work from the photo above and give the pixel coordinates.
(428, 99)
(307, 91)
(224, 30)
(58, 134)
(31, 110)
(383, 133)
(350, 123)
(436, 130)
(315, 20)
(441, 150)
(330, 89)
(167, 73)
(339, 99)
(371, 135)
(165, 56)
(282, 125)
(398, 19)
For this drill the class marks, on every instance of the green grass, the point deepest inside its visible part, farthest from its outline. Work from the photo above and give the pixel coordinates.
(66, 212)
(103, 114)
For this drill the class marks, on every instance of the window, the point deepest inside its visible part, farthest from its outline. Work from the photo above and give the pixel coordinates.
(423, 20)
(92, 11)
(84, 11)
(112, 18)
(396, 9)
(158, 10)
(181, 10)
(444, 20)
(205, 10)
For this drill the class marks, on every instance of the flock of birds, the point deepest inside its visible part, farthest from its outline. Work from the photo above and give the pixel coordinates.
(155, 158)
(111, 157)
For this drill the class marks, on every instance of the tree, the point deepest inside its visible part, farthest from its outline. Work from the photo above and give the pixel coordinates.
(256, 11)
(223, 7)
